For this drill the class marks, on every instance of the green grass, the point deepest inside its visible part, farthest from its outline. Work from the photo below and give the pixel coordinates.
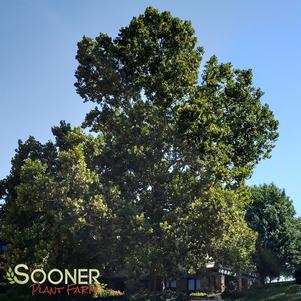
(274, 292)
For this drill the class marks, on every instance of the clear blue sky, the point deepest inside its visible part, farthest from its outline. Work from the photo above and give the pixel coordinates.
(38, 46)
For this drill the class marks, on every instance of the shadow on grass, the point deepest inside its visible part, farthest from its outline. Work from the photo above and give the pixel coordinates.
(274, 292)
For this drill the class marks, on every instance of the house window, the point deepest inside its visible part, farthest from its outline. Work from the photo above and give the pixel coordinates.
(193, 284)
(198, 284)
(171, 284)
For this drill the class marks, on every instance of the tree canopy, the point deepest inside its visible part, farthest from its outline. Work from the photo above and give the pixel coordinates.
(178, 147)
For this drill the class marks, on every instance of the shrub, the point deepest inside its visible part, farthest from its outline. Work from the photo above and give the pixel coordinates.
(198, 294)
(181, 296)
(104, 293)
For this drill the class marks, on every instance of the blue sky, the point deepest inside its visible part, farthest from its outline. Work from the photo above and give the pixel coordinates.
(37, 64)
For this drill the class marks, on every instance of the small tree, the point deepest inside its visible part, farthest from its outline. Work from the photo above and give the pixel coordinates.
(272, 216)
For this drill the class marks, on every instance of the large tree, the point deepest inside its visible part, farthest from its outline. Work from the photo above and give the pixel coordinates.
(272, 216)
(178, 147)
(160, 186)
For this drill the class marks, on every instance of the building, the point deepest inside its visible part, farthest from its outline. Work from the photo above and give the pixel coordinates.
(213, 279)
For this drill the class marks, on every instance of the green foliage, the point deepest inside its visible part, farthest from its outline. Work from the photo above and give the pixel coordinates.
(109, 293)
(156, 53)
(55, 210)
(104, 292)
(272, 216)
(198, 294)
(226, 125)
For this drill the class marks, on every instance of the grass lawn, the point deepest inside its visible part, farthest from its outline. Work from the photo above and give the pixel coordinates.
(287, 291)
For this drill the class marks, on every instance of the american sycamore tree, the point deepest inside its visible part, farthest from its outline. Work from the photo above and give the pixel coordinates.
(178, 147)
(160, 186)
